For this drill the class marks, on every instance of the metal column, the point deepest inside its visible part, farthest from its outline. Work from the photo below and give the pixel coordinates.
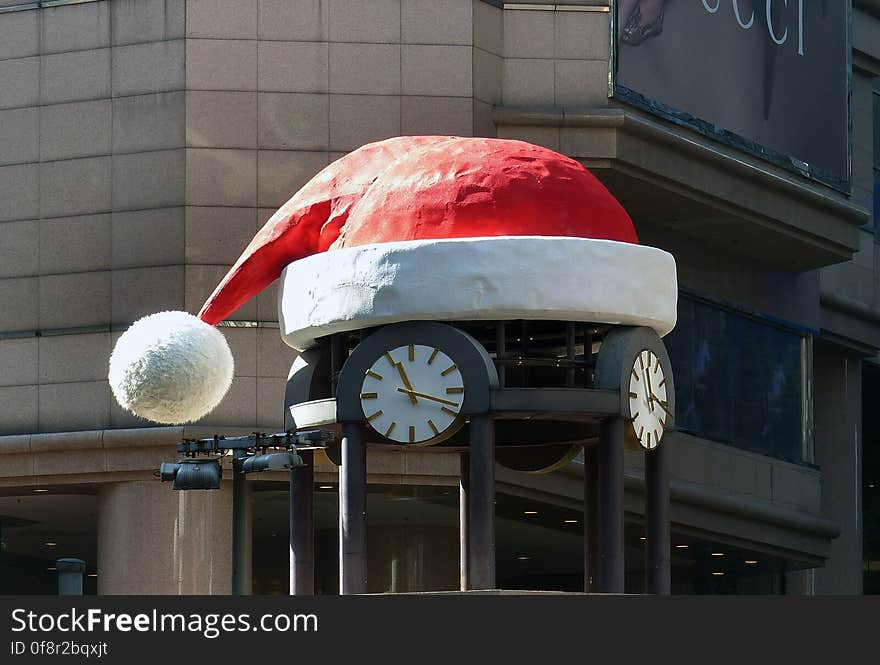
(610, 578)
(481, 504)
(302, 527)
(657, 571)
(353, 512)
(591, 516)
(241, 586)
(463, 508)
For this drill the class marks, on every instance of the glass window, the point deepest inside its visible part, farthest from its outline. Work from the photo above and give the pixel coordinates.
(738, 380)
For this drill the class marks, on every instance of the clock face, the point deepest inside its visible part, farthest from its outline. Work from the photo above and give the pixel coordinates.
(413, 394)
(647, 399)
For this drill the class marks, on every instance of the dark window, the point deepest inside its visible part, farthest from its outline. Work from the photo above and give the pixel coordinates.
(738, 380)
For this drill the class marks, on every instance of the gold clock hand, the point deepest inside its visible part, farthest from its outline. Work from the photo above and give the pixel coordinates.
(430, 397)
(663, 405)
(412, 397)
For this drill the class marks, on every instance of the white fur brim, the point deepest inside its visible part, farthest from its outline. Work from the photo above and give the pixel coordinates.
(494, 278)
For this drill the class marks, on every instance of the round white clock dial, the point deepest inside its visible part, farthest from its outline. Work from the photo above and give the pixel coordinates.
(413, 394)
(647, 399)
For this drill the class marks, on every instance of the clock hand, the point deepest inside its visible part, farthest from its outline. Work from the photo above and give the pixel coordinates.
(412, 397)
(663, 405)
(412, 393)
(649, 392)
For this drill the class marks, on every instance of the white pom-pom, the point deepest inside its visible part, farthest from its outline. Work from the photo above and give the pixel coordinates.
(171, 368)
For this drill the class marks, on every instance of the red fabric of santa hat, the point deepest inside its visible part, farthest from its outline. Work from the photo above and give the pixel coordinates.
(412, 228)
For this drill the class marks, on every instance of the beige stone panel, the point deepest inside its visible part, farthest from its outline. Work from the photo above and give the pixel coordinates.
(365, 69)
(68, 407)
(148, 238)
(545, 136)
(139, 458)
(488, 27)
(81, 129)
(76, 27)
(122, 419)
(267, 303)
(20, 304)
(71, 301)
(293, 66)
(19, 35)
(581, 83)
(19, 249)
(359, 119)
(16, 466)
(75, 187)
(437, 70)
(243, 344)
(304, 20)
(149, 122)
(21, 82)
(222, 19)
(283, 173)
(582, 35)
(221, 119)
(65, 358)
(487, 76)
(386, 462)
(71, 77)
(140, 69)
(528, 82)
(484, 125)
(221, 64)
(19, 192)
(436, 22)
(238, 408)
(274, 357)
(135, 21)
(528, 34)
(270, 403)
(141, 291)
(437, 115)
(375, 21)
(218, 235)
(18, 361)
(292, 121)
(153, 540)
(598, 143)
(148, 180)
(75, 244)
(69, 462)
(19, 136)
(221, 177)
(263, 215)
(18, 411)
(201, 280)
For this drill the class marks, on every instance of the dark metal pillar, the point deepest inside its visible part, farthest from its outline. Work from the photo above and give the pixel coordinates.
(240, 584)
(463, 507)
(481, 504)
(591, 517)
(610, 578)
(657, 572)
(353, 512)
(302, 527)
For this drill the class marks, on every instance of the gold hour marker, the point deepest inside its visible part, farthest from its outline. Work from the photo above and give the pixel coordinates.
(375, 415)
(369, 395)
(635, 375)
(662, 383)
(449, 370)
(374, 374)
(412, 352)
(633, 395)
(390, 359)
(656, 438)
(641, 362)
(641, 431)
(390, 429)
(455, 391)
(649, 439)
(412, 434)
(446, 409)
(636, 415)
(433, 355)
(656, 364)
(433, 427)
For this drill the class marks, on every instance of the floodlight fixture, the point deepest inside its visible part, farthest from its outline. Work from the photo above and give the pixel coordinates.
(192, 474)
(272, 462)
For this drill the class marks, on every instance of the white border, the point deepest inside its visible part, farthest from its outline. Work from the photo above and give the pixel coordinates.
(494, 278)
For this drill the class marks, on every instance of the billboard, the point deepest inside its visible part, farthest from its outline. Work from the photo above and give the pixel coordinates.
(771, 77)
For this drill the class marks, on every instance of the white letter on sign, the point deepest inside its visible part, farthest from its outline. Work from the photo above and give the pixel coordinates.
(770, 23)
(709, 9)
(739, 18)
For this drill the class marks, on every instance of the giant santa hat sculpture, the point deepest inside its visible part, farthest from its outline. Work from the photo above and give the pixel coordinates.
(411, 228)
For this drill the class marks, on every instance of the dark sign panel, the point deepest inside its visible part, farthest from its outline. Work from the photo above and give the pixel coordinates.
(771, 77)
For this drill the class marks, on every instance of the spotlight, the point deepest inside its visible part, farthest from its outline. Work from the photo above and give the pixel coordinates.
(271, 462)
(192, 474)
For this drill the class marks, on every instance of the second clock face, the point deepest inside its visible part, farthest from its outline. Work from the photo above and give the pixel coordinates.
(647, 399)
(413, 394)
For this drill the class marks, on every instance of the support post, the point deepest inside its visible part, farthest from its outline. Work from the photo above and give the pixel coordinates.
(481, 504)
(302, 527)
(70, 576)
(591, 518)
(610, 509)
(463, 508)
(353, 512)
(657, 571)
(240, 585)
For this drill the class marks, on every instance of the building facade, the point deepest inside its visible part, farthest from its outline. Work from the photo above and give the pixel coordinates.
(143, 143)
